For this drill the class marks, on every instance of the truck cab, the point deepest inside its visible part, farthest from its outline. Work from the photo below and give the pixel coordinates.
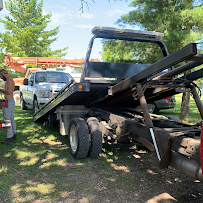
(19, 81)
(40, 86)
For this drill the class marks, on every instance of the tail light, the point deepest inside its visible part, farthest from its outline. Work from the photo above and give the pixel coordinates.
(168, 98)
(3, 103)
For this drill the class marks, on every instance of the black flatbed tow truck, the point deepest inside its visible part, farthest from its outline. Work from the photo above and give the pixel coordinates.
(99, 110)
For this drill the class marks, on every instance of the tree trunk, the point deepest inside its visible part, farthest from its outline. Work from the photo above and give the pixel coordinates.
(185, 105)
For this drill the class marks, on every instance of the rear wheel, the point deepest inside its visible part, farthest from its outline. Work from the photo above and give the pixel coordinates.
(16, 96)
(96, 137)
(173, 118)
(22, 103)
(155, 110)
(35, 106)
(78, 137)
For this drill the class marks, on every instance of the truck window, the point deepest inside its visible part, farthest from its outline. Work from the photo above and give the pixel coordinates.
(30, 77)
(120, 51)
(53, 77)
(40, 77)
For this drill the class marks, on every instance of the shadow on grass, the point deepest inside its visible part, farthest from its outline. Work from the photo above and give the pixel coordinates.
(38, 167)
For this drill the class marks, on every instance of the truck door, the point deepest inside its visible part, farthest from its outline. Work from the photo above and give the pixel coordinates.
(30, 88)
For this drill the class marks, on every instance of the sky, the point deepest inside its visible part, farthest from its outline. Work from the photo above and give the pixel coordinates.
(75, 27)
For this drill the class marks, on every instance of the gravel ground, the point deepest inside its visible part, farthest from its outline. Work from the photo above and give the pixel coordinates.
(121, 174)
(133, 178)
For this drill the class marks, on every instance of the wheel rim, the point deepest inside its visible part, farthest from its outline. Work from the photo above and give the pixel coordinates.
(16, 98)
(73, 138)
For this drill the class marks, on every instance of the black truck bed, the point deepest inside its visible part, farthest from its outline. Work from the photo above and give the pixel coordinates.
(119, 89)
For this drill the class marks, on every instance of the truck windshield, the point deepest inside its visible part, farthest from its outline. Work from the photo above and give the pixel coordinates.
(53, 77)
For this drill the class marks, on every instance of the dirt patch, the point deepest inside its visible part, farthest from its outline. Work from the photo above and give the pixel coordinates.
(42, 170)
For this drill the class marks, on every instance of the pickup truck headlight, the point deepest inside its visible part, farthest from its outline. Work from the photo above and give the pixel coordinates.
(44, 93)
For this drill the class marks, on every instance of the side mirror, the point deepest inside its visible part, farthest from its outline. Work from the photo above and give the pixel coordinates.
(30, 83)
(25, 81)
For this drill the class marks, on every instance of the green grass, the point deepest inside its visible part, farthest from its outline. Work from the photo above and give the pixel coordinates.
(31, 168)
(38, 166)
(194, 116)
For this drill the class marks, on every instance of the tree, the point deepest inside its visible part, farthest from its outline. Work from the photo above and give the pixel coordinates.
(179, 20)
(26, 33)
(119, 51)
(87, 4)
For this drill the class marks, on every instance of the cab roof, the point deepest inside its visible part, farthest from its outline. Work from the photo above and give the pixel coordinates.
(126, 32)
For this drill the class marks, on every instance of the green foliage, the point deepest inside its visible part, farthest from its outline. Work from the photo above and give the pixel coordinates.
(76, 70)
(12, 73)
(119, 51)
(179, 20)
(42, 67)
(87, 3)
(26, 33)
(194, 115)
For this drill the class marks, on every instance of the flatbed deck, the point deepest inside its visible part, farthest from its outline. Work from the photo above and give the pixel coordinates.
(103, 92)
(72, 94)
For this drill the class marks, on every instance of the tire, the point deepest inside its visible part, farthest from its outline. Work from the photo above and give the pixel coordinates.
(152, 108)
(96, 137)
(16, 96)
(155, 109)
(172, 118)
(78, 138)
(35, 106)
(52, 120)
(22, 103)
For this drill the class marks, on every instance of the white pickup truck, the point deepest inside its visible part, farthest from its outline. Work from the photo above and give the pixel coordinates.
(40, 86)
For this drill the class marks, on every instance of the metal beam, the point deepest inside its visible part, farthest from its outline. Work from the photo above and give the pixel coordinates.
(197, 57)
(182, 54)
(179, 70)
(192, 76)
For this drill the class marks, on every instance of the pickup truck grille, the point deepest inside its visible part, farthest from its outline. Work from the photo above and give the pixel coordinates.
(53, 92)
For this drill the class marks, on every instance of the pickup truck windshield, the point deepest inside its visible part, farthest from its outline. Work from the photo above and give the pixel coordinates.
(53, 77)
